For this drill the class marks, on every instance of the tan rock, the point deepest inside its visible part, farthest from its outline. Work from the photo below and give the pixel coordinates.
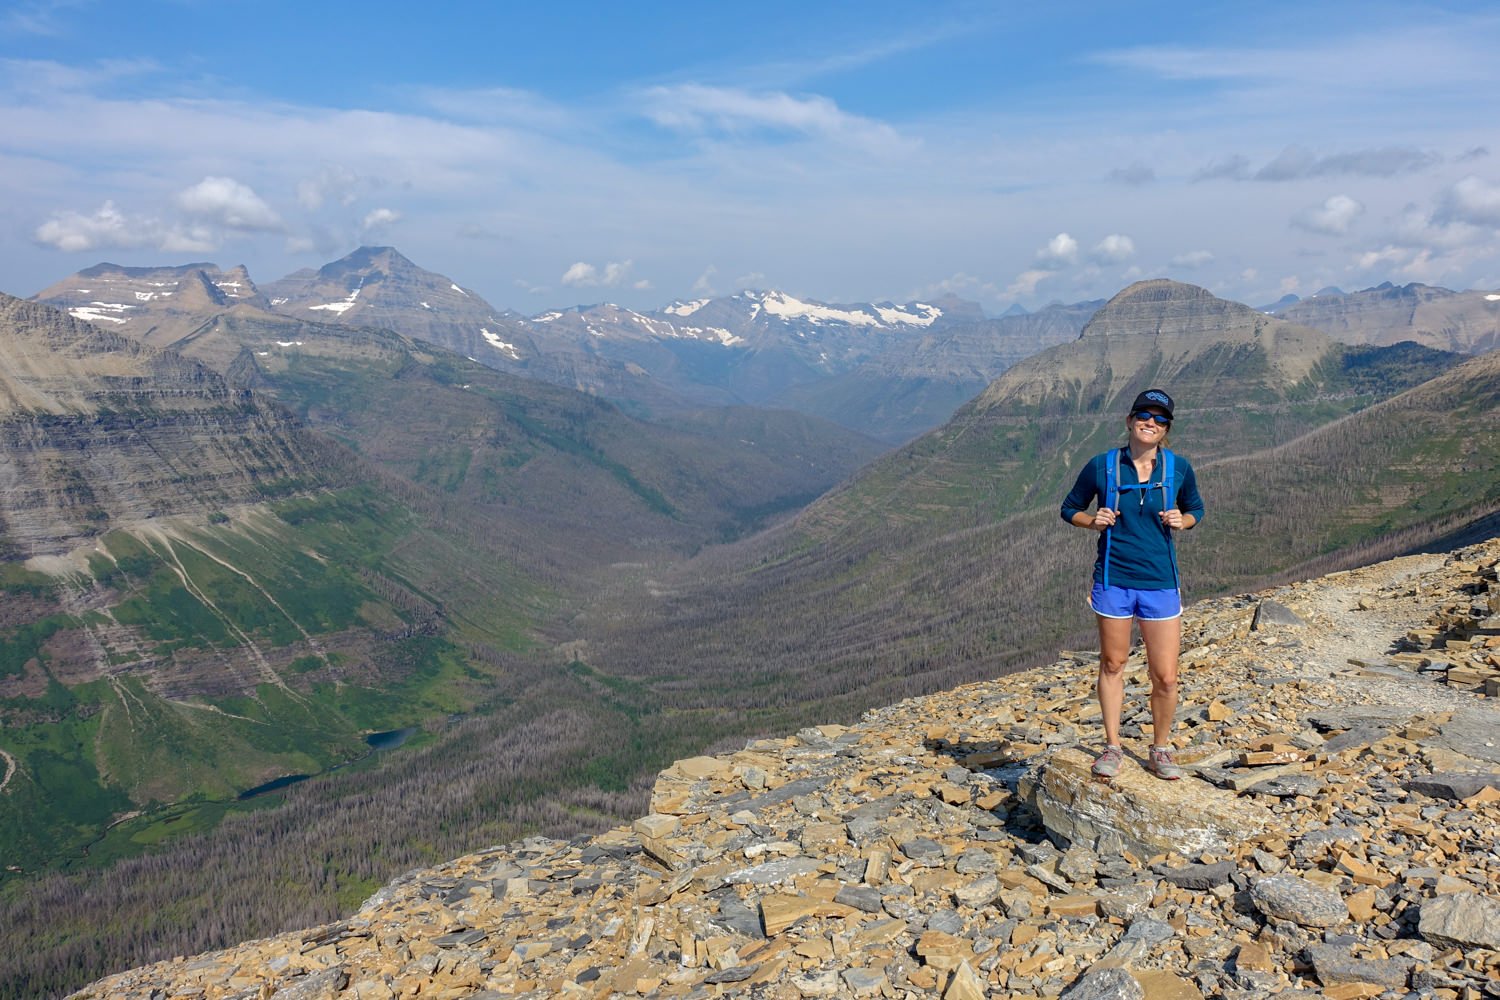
(1162, 985)
(965, 985)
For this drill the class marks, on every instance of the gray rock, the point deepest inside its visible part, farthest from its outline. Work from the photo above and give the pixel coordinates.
(1360, 736)
(861, 897)
(737, 916)
(1127, 903)
(323, 985)
(1452, 784)
(922, 849)
(1287, 897)
(1078, 864)
(947, 921)
(1106, 984)
(773, 872)
(459, 939)
(738, 974)
(1461, 919)
(1270, 612)
(979, 893)
(1140, 939)
(1199, 876)
(975, 861)
(1287, 786)
(863, 982)
(1316, 843)
(1335, 964)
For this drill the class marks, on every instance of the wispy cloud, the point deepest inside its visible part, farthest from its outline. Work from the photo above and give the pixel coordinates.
(697, 108)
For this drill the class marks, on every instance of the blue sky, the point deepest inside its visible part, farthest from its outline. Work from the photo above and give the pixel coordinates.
(844, 152)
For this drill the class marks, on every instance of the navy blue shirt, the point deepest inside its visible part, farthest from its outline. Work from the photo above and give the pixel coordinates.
(1140, 554)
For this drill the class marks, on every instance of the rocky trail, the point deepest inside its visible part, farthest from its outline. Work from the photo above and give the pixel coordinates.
(1336, 837)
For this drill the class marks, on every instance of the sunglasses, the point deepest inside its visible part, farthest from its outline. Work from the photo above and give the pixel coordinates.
(1148, 415)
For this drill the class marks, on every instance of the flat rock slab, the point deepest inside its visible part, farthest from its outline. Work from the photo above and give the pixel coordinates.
(1453, 784)
(1136, 810)
(1462, 920)
(1288, 897)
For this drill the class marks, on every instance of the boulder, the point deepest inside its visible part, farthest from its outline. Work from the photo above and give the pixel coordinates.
(1136, 810)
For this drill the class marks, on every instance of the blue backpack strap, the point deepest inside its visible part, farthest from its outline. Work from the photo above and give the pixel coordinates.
(1168, 501)
(1111, 499)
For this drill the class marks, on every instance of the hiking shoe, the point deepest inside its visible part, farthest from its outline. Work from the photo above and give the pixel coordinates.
(1107, 764)
(1161, 764)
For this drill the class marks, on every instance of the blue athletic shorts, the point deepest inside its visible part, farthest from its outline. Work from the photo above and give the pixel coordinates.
(1127, 602)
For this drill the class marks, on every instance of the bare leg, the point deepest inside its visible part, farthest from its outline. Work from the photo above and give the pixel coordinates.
(1163, 641)
(1114, 649)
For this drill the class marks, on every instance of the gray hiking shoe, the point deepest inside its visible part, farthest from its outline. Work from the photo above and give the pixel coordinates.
(1161, 764)
(1107, 764)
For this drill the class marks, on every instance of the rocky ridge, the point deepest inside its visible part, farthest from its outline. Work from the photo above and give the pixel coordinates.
(1466, 321)
(1336, 837)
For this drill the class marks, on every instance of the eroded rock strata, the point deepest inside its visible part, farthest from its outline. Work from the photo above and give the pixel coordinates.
(1336, 837)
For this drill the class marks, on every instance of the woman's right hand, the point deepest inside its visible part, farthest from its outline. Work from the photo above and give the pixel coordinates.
(1103, 518)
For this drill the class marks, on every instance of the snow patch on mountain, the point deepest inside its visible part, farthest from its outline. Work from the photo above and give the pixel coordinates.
(786, 307)
(686, 308)
(500, 345)
(96, 311)
(340, 307)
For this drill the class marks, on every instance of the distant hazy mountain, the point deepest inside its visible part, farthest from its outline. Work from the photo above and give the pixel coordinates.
(157, 305)
(885, 369)
(1467, 322)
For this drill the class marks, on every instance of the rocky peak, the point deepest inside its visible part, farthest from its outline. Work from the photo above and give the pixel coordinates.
(1160, 306)
(1334, 837)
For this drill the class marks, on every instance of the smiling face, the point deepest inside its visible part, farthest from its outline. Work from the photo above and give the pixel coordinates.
(1146, 431)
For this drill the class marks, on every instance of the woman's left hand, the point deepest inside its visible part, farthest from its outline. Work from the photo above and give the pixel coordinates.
(1172, 519)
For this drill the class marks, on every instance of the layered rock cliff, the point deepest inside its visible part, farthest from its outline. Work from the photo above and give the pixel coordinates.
(97, 429)
(1335, 837)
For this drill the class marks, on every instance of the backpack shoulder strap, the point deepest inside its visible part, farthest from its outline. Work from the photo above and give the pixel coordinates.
(1168, 480)
(1111, 499)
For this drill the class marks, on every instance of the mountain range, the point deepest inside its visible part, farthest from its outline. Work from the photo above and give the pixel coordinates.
(243, 533)
(767, 349)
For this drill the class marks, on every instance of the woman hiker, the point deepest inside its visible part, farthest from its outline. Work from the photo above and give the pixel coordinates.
(1145, 493)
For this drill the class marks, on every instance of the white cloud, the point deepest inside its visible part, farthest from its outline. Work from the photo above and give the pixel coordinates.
(1473, 201)
(108, 227)
(586, 275)
(1059, 252)
(333, 182)
(226, 202)
(1332, 218)
(643, 285)
(1192, 259)
(693, 107)
(378, 220)
(703, 285)
(961, 285)
(1115, 248)
(1026, 282)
